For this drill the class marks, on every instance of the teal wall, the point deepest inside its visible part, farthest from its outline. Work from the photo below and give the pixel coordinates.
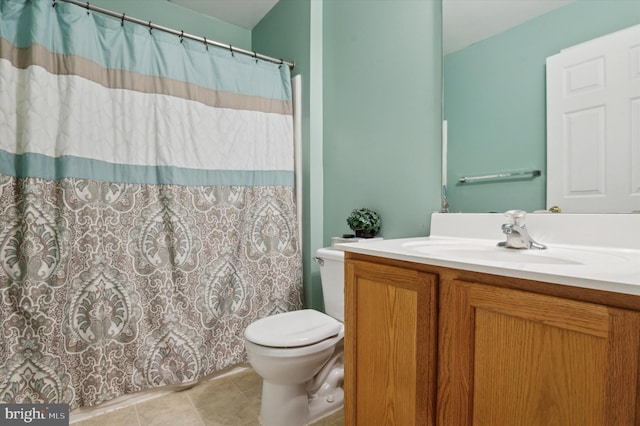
(382, 113)
(495, 102)
(171, 15)
(372, 112)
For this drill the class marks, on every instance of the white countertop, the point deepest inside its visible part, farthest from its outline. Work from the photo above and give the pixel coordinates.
(609, 262)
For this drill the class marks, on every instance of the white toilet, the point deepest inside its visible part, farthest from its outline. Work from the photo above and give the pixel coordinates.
(299, 354)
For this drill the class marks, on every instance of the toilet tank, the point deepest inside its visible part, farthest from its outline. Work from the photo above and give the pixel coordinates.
(332, 276)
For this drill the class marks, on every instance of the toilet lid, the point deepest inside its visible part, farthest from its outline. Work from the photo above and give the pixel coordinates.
(293, 329)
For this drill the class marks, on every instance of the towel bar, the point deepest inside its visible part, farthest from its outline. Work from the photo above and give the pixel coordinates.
(500, 176)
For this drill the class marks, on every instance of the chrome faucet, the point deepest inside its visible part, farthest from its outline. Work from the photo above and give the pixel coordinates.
(517, 235)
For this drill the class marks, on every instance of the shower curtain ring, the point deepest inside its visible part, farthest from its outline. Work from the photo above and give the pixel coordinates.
(206, 46)
(181, 35)
(231, 49)
(255, 55)
(87, 6)
(150, 27)
(122, 21)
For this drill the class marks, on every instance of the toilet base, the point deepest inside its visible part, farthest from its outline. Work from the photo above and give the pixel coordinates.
(325, 392)
(301, 404)
(290, 404)
(283, 404)
(321, 407)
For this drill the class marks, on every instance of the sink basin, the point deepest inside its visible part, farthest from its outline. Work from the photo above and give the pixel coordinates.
(487, 252)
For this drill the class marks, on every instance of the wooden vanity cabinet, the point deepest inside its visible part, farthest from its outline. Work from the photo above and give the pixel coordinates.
(510, 357)
(508, 351)
(390, 345)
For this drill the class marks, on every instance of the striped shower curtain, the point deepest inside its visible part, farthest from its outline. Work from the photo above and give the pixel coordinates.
(147, 208)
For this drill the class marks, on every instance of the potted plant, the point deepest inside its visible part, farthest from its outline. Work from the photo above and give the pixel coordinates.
(364, 222)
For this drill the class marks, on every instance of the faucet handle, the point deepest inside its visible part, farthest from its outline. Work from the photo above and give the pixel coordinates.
(516, 216)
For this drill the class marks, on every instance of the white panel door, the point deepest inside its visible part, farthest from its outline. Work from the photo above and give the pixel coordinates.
(593, 125)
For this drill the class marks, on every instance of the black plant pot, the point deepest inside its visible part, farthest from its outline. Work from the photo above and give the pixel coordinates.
(362, 234)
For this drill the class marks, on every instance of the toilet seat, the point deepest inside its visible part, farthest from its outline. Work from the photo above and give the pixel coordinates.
(293, 329)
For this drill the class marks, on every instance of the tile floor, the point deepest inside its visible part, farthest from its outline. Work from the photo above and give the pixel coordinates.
(232, 399)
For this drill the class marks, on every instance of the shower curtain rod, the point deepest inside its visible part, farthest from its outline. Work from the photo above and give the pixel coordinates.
(181, 34)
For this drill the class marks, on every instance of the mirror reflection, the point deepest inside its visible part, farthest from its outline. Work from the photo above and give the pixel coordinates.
(495, 91)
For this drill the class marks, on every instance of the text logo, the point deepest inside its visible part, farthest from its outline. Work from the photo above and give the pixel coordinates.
(34, 414)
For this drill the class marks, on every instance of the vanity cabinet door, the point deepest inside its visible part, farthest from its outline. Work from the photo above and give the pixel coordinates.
(511, 357)
(390, 345)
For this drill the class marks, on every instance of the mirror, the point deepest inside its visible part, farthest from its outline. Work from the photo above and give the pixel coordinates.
(495, 91)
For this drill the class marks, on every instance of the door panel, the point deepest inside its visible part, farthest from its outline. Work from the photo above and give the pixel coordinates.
(593, 133)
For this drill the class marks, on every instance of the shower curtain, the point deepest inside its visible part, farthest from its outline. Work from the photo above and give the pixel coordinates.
(147, 208)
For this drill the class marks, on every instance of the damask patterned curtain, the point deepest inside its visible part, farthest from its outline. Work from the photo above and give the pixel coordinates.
(147, 211)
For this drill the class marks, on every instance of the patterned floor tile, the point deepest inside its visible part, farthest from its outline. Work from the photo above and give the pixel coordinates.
(231, 400)
(223, 404)
(173, 409)
(122, 417)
